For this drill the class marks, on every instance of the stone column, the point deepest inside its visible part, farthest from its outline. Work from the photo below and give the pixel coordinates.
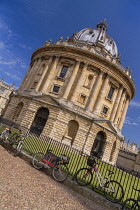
(28, 75)
(115, 106)
(51, 74)
(94, 91)
(33, 73)
(79, 81)
(101, 94)
(107, 151)
(119, 107)
(72, 78)
(44, 73)
(124, 113)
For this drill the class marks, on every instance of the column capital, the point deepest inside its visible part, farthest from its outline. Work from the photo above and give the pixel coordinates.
(101, 72)
(78, 61)
(121, 86)
(85, 65)
(56, 57)
(127, 97)
(107, 76)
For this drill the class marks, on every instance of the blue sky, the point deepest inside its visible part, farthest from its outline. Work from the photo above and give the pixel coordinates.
(26, 24)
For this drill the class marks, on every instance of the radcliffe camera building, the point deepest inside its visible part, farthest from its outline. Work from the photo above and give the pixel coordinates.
(77, 92)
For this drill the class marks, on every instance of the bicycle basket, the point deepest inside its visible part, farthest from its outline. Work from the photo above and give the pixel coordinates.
(90, 161)
(51, 158)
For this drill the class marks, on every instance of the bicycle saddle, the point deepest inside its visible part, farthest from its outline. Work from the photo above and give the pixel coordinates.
(49, 150)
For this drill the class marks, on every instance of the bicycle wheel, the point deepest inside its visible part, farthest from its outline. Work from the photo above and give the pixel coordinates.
(18, 148)
(37, 160)
(60, 172)
(84, 176)
(130, 204)
(14, 138)
(113, 191)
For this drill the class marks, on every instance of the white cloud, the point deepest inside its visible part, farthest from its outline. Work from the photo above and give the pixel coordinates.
(13, 60)
(135, 124)
(131, 121)
(127, 121)
(5, 28)
(135, 104)
(25, 47)
(8, 63)
(2, 45)
(9, 55)
(13, 76)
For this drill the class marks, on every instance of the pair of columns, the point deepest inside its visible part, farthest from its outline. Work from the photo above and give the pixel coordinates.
(119, 109)
(34, 70)
(28, 80)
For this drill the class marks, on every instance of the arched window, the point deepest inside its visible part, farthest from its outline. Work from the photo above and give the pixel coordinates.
(39, 121)
(98, 145)
(72, 129)
(88, 81)
(112, 152)
(18, 111)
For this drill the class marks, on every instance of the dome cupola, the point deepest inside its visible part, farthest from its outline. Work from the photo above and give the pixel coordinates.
(102, 25)
(98, 36)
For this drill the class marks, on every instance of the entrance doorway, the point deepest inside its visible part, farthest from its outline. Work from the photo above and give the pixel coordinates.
(98, 145)
(39, 121)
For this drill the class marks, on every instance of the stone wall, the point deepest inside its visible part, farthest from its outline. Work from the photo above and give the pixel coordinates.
(129, 161)
(58, 121)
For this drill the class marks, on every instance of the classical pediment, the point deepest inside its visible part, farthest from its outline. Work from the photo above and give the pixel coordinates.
(38, 96)
(47, 99)
(106, 124)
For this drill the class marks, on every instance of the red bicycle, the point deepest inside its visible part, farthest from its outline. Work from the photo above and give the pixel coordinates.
(57, 164)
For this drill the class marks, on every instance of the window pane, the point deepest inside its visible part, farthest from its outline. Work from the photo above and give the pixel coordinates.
(63, 71)
(105, 110)
(111, 91)
(56, 89)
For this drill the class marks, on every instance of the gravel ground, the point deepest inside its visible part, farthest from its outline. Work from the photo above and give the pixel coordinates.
(23, 187)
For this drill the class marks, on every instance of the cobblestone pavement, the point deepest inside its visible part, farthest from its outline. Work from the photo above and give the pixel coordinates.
(23, 187)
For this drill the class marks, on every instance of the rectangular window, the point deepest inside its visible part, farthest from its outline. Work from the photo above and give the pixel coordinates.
(63, 71)
(56, 89)
(82, 99)
(110, 93)
(105, 110)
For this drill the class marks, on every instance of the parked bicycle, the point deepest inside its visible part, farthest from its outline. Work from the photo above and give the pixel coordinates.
(131, 203)
(112, 189)
(57, 164)
(17, 139)
(4, 135)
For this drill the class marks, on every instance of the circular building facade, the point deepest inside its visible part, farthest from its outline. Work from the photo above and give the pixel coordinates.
(76, 91)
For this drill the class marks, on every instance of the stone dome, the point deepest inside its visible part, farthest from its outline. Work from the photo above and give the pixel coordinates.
(98, 36)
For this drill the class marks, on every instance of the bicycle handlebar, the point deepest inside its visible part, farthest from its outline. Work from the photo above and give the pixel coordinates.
(135, 189)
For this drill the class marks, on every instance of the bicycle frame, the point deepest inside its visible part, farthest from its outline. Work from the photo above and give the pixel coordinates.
(101, 180)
